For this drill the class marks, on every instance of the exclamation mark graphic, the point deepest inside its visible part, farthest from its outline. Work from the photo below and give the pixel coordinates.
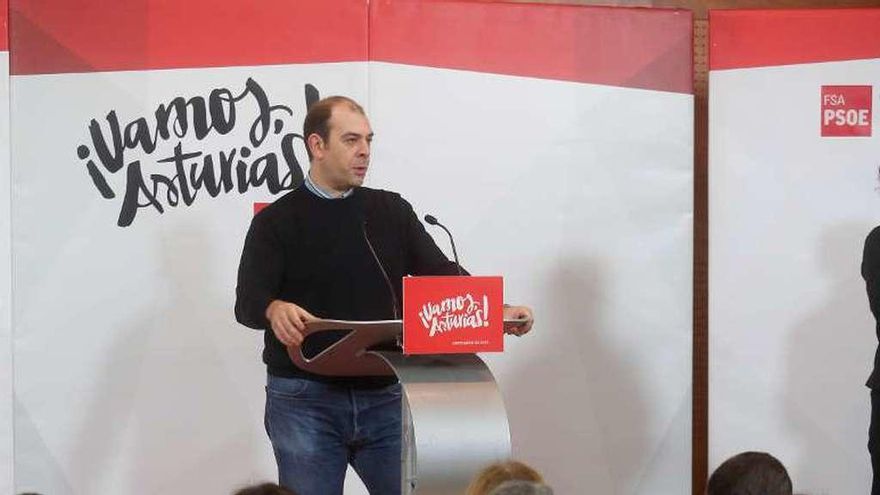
(485, 310)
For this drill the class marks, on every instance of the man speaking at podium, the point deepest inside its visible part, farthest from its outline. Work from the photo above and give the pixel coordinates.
(333, 249)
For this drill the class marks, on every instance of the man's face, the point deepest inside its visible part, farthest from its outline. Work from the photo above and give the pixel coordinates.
(342, 159)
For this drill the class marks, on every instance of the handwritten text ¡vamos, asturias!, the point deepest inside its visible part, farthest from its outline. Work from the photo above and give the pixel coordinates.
(186, 172)
(455, 313)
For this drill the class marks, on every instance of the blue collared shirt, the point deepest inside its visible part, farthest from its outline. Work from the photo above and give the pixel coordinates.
(317, 191)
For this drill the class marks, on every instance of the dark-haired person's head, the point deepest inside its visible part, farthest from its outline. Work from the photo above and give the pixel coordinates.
(338, 138)
(318, 116)
(750, 473)
(265, 489)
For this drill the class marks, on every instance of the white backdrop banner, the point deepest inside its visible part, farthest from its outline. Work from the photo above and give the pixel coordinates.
(793, 191)
(136, 174)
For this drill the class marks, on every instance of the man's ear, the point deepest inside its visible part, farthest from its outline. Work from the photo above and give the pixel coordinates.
(316, 145)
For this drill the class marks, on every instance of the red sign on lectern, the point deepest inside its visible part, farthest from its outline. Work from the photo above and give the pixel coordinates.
(452, 315)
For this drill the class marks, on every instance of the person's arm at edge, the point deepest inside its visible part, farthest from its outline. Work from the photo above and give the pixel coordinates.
(871, 269)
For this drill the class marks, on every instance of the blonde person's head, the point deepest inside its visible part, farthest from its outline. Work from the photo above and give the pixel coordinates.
(495, 474)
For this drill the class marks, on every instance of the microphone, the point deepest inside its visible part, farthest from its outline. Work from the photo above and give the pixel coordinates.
(432, 220)
(394, 305)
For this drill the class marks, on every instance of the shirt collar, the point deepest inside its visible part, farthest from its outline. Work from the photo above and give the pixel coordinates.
(317, 191)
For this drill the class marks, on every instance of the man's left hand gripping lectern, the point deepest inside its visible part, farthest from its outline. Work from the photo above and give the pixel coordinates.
(454, 421)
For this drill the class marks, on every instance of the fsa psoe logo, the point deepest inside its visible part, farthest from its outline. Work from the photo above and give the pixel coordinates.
(846, 111)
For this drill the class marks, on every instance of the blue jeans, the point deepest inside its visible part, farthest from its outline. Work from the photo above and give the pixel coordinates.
(317, 429)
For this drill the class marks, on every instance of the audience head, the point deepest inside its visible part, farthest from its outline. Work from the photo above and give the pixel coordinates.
(521, 488)
(495, 474)
(265, 489)
(750, 473)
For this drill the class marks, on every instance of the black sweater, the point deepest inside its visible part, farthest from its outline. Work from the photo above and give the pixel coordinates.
(311, 251)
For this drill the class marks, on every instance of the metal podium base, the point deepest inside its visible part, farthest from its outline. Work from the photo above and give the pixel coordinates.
(454, 421)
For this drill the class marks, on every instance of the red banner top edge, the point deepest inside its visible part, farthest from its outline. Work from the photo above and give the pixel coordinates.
(760, 38)
(89, 36)
(628, 47)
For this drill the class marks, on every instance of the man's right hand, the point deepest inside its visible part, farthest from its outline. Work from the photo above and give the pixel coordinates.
(288, 321)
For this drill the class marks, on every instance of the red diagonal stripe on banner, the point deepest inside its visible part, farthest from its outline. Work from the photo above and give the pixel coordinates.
(4, 26)
(761, 38)
(84, 35)
(642, 48)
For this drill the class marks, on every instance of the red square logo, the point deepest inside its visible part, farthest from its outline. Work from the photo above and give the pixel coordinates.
(846, 111)
(452, 315)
